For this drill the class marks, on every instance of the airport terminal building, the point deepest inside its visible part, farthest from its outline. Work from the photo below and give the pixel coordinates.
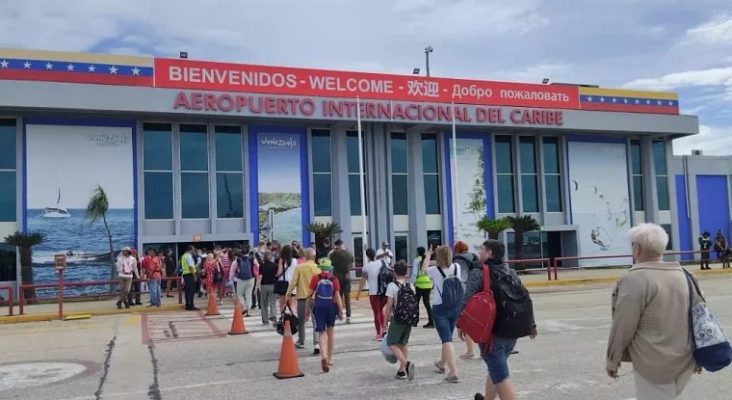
(193, 151)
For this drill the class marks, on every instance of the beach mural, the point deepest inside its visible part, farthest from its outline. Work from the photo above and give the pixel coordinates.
(600, 205)
(471, 190)
(279, 187)
(64, 164)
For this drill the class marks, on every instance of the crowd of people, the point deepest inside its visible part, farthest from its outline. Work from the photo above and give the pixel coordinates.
(477, 297)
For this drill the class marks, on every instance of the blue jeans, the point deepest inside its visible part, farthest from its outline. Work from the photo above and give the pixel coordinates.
(153, 286)
(497, 360)
(445, 321)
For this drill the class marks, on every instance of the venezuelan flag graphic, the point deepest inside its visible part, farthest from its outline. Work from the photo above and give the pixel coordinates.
(633, 101)
(56, 66)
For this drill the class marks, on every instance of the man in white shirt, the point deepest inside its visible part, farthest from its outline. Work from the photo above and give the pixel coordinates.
(125, 269)
(384, 253)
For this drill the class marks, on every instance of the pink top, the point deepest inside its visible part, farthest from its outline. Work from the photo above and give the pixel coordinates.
(234, 271)
(224, 258)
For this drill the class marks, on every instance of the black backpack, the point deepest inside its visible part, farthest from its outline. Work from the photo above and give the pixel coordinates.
(406, 311)
(386, 276)
(515, 310)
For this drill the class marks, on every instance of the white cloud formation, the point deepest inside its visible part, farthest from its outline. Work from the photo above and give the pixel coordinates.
(718, 30)
(713, 140)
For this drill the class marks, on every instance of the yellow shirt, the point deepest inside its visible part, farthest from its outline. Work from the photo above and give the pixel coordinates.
(301, 278)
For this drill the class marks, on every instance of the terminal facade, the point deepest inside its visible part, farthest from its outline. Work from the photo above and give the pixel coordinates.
(225, 153)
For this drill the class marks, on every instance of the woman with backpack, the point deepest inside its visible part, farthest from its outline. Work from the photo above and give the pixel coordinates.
(467, 261)
(285, 269)
(446, 301)
(423, 285)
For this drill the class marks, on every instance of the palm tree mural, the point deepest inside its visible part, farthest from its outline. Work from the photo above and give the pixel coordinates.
(96, 209)
(522, 224)
(25, 241)
(493, 227)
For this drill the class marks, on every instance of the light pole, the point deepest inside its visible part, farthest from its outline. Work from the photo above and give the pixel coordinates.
(427, 51)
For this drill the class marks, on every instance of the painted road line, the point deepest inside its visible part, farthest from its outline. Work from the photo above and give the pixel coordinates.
(27, 375)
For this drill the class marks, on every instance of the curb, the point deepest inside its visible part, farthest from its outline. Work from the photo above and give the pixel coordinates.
(610, 279)
(17, 319)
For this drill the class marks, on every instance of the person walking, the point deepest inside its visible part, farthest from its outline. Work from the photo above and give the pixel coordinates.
(190, 276)
(372, 273)
(323, 293)
(650, 319)
(446, 300)
(467, 261)
(265, 280)
(299, 284)
(153, 267)
(342, 261)
(244, 266)
(210, 268)
(705, 245)
(423, 284)
(401, 306)
(125, 268)
(285, 269)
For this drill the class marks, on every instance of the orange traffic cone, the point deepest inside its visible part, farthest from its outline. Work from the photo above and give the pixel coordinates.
(288, 367)
(237, 324)
(212, 308)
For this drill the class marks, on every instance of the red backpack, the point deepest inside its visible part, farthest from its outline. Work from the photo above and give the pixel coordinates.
(479, 315)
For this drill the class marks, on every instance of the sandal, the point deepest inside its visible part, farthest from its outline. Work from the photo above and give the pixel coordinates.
(324, 365)
(467, 356)
(452, 378)
(440, 368)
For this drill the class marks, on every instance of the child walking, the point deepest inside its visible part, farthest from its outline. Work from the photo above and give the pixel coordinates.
(401, 313)
(324, 296)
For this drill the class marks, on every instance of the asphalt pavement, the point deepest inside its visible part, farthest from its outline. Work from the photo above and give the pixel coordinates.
(184, 355)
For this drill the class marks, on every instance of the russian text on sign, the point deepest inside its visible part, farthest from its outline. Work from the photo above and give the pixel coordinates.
(472, 91)
(534, 95)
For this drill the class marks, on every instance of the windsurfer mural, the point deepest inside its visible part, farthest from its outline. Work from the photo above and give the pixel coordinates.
(615, 217)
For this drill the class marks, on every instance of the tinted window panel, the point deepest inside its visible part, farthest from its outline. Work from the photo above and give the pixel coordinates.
(158, 195)
(399, 193)
(662, 188)
(638, 203)
(352, 149)
(229, 195)
(504, 158)
(322, 195)
(505, 194)
(551, 155)
(229, 152)
(320, 151)
(8, 264)
(401, 249)
(429, 154)
(158, 150)
(527, 149)
(7, 144)
(635, 157)
(8, 196)
(193, 149)
(659, 157)
(553, 190)
(354, 191)
(432, 194)
(194, 195)
(529, 193)
(398, 153)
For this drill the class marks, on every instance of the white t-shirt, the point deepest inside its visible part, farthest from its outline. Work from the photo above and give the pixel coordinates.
(393, 289)
(437, 278)
(287, 275)
(388, 255)
(371, 272)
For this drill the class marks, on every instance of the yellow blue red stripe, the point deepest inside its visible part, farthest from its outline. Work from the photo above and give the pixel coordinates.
(637, 101)
(84, 58)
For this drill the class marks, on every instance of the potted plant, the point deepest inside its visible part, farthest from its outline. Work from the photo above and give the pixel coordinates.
(324, 233)
(521, 224)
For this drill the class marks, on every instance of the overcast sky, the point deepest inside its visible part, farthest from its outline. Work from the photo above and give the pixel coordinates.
(677, 45)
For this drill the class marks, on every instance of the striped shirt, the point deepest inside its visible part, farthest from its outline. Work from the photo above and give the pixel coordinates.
(224, 257)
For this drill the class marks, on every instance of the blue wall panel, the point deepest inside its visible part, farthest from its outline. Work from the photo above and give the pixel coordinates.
(713, 204)
(684, 231)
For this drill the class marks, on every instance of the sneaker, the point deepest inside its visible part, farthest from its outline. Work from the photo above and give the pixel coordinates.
(428, 326)
(119, 305)
(316, 352)
(410, 371)
(478, 396)
(348, 320)
(401, 375)
(299, 345)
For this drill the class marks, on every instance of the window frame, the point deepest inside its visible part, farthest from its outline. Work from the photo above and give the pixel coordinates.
(170, 171)
(661, 178)
(557, 175)
(206, 172)
(319, 132)
(217, 171)
(405, 175)
(354, 134)
(12, 125)
(432, 175)
(636, 143)
(511, 175)
(535, 174)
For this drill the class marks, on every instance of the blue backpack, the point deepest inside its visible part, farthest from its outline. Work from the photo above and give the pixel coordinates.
(244, 265)
(452, 289)
(324, 292)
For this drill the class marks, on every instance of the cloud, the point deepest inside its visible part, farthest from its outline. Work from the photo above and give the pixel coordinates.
(707, 77)
(713, 140)
(717, 30)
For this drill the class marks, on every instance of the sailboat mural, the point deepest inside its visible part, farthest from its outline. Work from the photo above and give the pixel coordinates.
(55, 212)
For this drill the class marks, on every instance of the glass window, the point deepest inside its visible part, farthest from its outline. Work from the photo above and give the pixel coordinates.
(8, 265)
(550, 147)
(398, 153)
(354, 192)
(352, 150)
(320, 151)
(157, 142)
(527, 155)
(322, 195)
(670, 244)
(158, 195)
(8, 134)
(659, 157)
(399, 193)
(193, 148)
(429, 153)
(434, 238)
(553, 191)
(635, 157)
(506, 203)
(504, 155)
(432, 194)
(229, 149)
(8, 196)
(358, 254)
(638, 193)
(662, 189)
(529, 193)
(229, 195)
(401, 249)
(194, 195)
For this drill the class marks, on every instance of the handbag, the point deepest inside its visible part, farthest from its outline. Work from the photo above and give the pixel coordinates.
(284, 316)
(218, 274)
(280, 286)
(711, 348)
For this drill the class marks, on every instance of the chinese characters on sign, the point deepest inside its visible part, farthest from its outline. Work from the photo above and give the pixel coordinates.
(370, 110)
(237, 78)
